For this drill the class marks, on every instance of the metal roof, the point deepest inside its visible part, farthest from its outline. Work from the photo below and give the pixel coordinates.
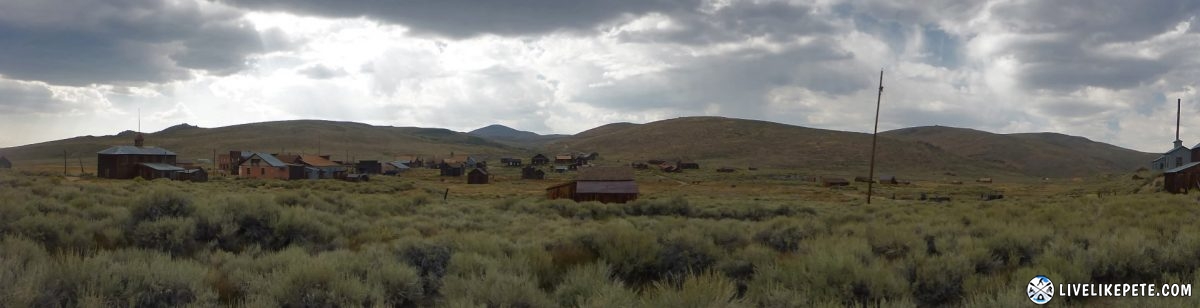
(162, 167)
(132, 150)
(316, 161)
(399, 164)
(269, 159)
(1181, 168)
(606, 187)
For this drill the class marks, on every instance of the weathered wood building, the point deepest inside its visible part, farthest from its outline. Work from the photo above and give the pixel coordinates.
(538, 160)
(531, 173)
(477, 176)
(125, 162)
(603, 184)
(5, 163)
(369, 167)
(1182, 179)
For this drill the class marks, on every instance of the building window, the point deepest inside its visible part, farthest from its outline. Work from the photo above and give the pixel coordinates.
(262, 171)
(1178, 161)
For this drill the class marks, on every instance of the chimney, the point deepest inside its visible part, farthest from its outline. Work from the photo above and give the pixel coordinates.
(1178, 110)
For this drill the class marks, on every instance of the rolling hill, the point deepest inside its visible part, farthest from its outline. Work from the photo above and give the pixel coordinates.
(736, 142)
(713, 141)
(1036, 154)
(339, 139)
(510, 136)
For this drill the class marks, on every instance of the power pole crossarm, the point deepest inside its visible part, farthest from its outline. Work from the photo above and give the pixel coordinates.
(874, 139)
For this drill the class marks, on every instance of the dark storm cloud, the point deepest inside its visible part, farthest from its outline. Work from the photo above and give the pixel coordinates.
(80, 42)
(465, 18)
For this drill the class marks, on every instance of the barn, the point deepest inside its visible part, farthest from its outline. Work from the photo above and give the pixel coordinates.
(477, 176)
(1182, 179)
(5, 163)
(603, 184)
(124, 162)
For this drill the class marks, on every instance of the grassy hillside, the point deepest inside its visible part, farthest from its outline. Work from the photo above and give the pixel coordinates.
(510, 136)
(339, 139)
(1037, 154)
(715, 142)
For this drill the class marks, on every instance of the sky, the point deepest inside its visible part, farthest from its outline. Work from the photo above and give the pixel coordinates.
(1108, 70)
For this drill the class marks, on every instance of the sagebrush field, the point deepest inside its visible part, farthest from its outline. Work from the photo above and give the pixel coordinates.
(693, 240)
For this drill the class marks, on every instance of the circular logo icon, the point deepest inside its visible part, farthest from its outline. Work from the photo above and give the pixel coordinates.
(1040, 290)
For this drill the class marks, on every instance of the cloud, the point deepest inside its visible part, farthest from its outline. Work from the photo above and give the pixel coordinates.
(82, 42)
(319, 71)
(466, 18)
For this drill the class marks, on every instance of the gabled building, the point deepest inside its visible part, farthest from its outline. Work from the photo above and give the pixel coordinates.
(477, 176)
(539, 160)
(317, 166)
(395, 168)
(267, 166)
(368, 167)
(531, 173)
(564, 159)
(125, 162)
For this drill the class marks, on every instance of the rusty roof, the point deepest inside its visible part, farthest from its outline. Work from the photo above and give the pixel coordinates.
(316, 161)
(567, 156)
(605, 174)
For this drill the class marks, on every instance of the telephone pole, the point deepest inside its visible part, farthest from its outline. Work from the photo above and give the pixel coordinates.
(874, 139)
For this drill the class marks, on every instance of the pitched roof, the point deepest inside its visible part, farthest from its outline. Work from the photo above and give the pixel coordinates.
(132, 150)
(399, 164)
(567, 156)
(605, 174)
(479, 170)
(269, 159)
(316, 161)
(161, 167)
(1181, 168)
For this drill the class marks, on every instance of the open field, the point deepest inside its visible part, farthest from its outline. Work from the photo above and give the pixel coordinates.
(694, 239)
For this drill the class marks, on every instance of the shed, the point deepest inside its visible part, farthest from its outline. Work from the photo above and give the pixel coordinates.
(451, 169)
(1182, 179)
(726, 169)
(531, 173)
(477, 176)
(193, 175)
(832, 181)
(564, 159)
(539, 159)
(152, 171)
(395, 167)
(603, 184)
(5, 163)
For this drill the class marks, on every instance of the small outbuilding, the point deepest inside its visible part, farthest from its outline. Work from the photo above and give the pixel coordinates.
(603, 184)
(538, 160)
(687, 165)
(369, 167)
(192, 175)
(5, 163)
(477, 176)
(395, 167)
(725, 169)
(451, 169)
(152, 171)
(888, 179)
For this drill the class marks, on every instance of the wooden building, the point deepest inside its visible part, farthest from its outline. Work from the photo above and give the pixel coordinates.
(477, 176)
(564, 159)
(124, 162)
(602, 184)
(725, 169)
(1182, 179)
(888, 179)
(152, 171)
(317, 166)
(192, 175)
(267, 166)
(531, 173)
(395, 168)
(5, 163)
(451, 169)
(510, 162)
(539, 160)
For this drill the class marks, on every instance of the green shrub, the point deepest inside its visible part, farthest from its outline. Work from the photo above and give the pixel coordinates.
(785, 234)
(171, 235)
(684, 252)
(704, 290)
(431, 260)
(318, 284)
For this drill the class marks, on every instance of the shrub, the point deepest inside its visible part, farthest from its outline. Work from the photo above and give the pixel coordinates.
(590, 284)
(171, 235)
(938, 281)
(684, 252)
(146, 279)
(431, 260)
(785, 234)
(318, 284)
(704, 290)
(161, 203)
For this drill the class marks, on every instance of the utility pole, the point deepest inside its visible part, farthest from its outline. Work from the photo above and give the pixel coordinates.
(64, 162)
(874, 139)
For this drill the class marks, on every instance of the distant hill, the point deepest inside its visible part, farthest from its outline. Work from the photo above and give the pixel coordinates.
(514, 137)
(920, 152)
(735, 142)
(1037, 154)
(340, 139)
